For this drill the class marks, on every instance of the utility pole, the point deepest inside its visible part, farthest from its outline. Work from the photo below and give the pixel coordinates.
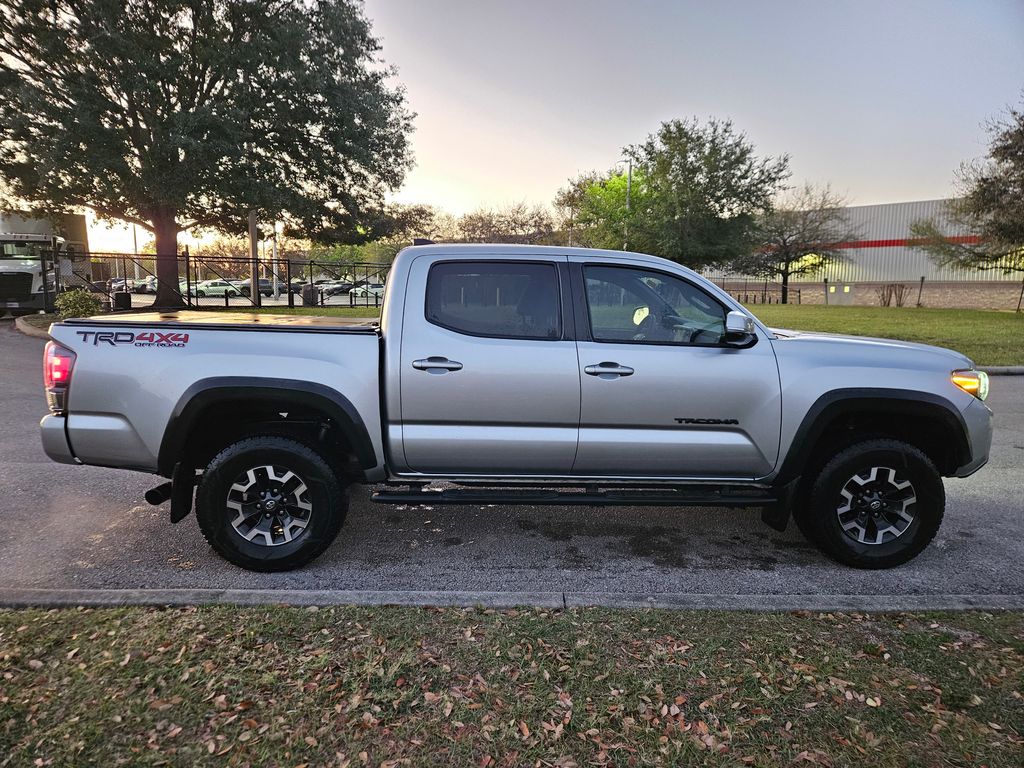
(629, 195)
(276, 265)
(254, 255)
(135, 251)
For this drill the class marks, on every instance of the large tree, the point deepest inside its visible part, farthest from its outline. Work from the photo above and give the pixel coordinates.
(518, 223)
(181, 114)
(803, 233)
(991, 207)
(705, 189)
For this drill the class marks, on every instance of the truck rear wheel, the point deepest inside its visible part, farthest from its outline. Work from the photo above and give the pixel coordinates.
(270, 503)
(876, 504)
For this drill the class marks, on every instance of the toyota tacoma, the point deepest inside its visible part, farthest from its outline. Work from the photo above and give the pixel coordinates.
(519, 374)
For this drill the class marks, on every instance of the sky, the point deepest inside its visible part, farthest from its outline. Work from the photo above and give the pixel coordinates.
(881, 99)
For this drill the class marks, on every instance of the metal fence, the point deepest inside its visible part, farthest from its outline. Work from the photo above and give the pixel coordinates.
(130, 281)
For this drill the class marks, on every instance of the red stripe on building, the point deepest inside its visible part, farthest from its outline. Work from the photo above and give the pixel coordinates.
(958, 239)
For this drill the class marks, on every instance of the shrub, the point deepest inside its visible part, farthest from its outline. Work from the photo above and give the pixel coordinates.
(77, 303)
(890, 292)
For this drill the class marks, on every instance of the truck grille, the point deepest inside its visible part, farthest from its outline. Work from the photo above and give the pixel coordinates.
(15, 286)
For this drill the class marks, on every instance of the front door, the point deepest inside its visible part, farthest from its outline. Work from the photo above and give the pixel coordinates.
(489, 384)
(661, 395)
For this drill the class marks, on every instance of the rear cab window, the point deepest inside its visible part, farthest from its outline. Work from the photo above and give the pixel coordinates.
(506, 300)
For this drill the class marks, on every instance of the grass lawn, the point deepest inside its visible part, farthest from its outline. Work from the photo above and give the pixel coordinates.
(40, 321)
(987, 337)
(401, 686)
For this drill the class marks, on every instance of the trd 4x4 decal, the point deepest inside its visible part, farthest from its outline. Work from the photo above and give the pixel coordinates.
(144, 339)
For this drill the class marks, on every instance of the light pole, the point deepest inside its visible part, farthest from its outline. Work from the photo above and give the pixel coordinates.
(629, 195)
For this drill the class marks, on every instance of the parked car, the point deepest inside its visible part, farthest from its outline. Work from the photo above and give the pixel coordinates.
(148, 285)
(120, 284)
(520, 375)
(336, 288)
(370, 290)
(266, 287)
(216, 288)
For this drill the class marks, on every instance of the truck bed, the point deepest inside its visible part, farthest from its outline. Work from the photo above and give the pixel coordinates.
(136, 371)
(234, 321)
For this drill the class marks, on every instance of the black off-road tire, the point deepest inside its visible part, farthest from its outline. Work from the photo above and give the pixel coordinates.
(325, 493)
(820, 521)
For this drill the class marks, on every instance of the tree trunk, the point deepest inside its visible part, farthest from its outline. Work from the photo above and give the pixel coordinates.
(785, 287)
(165, 230)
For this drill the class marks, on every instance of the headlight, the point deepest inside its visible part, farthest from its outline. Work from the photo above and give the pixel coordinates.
(972, 382)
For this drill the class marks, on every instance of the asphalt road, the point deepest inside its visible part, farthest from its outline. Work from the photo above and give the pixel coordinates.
(87, 527)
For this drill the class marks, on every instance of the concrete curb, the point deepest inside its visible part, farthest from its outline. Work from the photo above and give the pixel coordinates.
(1003, 370)
(29, 330)
(15, 598)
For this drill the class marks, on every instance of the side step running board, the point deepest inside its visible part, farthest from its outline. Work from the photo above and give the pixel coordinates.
(695, 497)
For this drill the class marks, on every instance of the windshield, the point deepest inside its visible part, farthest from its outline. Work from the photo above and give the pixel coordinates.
(20, 250)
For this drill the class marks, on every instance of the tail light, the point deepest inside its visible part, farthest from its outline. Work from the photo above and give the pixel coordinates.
(58, 363)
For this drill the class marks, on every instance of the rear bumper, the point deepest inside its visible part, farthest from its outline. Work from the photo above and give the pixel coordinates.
(55, 440)
(978, 420)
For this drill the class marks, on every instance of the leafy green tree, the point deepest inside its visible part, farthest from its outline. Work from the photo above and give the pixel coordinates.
(991, 206)
(183, 114)
(704, 189)
(800, 236)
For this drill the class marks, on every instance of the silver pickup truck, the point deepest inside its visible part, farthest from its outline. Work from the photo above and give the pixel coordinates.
(527, 375)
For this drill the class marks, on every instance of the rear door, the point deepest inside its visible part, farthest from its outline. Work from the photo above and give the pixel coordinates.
(489, 377)
(661, 395)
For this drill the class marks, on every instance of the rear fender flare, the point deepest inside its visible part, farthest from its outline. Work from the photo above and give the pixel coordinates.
(206, 392)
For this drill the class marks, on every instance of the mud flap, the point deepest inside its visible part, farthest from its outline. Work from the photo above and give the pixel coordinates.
(777, 515)
(183, 487)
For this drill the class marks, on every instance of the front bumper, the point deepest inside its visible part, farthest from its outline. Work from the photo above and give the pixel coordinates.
(34, 301)
(978, 420)
(55, 440)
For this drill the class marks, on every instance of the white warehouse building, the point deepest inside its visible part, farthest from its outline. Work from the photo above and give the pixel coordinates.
(885, 253)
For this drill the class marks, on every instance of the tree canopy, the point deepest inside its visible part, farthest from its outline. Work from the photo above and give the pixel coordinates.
(180, 114)
(697, 192)
(991, 207)
(705, 188)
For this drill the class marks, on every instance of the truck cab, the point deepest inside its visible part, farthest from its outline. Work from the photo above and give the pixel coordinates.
(30, 271)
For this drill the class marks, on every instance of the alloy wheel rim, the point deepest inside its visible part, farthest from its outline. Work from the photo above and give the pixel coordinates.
(876, 506)
(270, 505)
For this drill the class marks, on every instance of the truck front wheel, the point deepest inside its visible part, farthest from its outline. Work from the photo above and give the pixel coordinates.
(270, 503)
(876, 504)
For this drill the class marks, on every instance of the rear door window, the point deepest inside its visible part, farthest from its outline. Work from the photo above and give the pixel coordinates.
(508, 300)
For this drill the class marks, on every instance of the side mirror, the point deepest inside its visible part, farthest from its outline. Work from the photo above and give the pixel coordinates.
(739, 330)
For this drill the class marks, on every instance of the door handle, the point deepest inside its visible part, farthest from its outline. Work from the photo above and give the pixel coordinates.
(436, 365)
(608, 370)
